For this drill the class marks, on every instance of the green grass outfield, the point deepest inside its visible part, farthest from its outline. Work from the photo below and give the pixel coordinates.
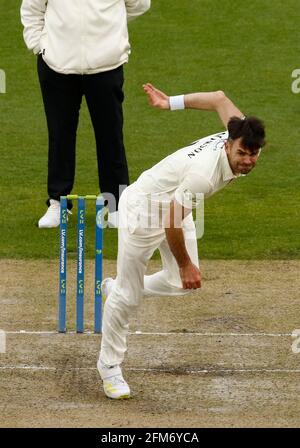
(247, 48)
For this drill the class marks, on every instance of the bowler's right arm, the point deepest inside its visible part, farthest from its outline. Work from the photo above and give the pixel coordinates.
(189, 273)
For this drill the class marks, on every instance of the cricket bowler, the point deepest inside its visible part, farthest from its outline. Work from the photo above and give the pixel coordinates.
(155, 212)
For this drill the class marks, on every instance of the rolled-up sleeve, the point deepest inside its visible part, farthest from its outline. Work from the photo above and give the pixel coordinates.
(32, 17)
(136, 8)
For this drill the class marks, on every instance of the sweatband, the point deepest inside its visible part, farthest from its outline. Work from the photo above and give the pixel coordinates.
(176, 102)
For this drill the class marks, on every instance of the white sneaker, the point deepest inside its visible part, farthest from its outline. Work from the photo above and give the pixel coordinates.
(114, 385)
(52, 216)
(106, 286)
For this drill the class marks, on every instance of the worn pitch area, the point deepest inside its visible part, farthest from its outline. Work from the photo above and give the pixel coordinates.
(221, 356)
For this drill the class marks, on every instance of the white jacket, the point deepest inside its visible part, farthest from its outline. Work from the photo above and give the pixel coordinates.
(80, 36)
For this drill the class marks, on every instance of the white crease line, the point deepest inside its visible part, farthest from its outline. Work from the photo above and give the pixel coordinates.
(212, 334)
(179, 371)
(196, 371)
(29, 332)
(144, 333)
(28, 368)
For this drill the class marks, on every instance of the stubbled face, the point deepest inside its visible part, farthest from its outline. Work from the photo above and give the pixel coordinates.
(240, 159)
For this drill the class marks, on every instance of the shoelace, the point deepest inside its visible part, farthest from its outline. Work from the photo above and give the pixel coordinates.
(116, 381)
(54, 207)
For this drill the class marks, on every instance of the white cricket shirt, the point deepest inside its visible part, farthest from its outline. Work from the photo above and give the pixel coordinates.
(200, 169)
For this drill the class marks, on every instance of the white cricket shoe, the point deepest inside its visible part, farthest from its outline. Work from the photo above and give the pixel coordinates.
(52, 216)
(106, 286)
(114, 385)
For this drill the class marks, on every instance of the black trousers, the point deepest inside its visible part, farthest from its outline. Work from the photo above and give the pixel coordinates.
(62, 96)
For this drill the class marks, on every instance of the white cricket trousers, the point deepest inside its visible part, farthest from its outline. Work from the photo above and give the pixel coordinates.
(136, 245)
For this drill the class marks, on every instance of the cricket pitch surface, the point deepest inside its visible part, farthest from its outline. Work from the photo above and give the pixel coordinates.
(224, 356)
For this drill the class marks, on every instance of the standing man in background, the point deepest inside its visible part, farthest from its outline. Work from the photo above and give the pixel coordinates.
(81, 48)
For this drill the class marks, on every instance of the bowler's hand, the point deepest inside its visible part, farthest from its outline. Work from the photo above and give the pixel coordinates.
(190, 276)
(156, 98)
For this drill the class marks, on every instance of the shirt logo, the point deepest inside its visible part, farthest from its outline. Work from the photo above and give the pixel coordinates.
(218, 138)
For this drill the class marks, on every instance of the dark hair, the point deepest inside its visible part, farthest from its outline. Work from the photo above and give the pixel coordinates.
(250, 129)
